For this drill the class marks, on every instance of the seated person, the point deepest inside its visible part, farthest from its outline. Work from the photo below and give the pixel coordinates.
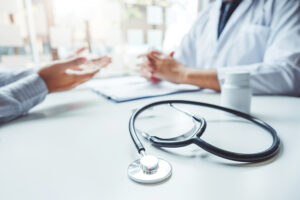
(22, 90)
(259, 37)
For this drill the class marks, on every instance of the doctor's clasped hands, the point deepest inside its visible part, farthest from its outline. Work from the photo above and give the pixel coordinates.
(166, 67)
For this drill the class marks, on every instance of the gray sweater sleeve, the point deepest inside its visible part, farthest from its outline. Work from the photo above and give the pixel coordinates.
(18, 97)
(9, 76)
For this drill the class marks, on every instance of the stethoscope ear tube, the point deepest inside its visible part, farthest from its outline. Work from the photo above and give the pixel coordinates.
(256, 157)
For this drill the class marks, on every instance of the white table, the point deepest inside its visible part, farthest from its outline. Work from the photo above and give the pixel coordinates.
(76, 145)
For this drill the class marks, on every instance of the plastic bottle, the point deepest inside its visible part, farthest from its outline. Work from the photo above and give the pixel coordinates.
(237, 92)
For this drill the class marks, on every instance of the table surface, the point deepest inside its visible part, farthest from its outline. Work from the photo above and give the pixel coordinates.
(76, 145)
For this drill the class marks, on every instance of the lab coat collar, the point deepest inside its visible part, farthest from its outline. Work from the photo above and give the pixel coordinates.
(215, 16)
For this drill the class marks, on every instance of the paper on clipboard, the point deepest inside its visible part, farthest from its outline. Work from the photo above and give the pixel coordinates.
(130, 88)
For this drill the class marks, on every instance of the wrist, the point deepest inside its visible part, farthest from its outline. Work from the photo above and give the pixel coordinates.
(204, 78)
(44, 79)
(185, 71)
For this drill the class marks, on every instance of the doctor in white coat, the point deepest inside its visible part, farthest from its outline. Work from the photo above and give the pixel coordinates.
(258, 36)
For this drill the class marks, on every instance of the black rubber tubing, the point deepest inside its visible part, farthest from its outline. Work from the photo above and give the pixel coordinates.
(251, 158)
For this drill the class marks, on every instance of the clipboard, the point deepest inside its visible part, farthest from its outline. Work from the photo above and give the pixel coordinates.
(130, 88)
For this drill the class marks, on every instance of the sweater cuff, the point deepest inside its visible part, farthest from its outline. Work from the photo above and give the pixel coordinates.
(31, 91)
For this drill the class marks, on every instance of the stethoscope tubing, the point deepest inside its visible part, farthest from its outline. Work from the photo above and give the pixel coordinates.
(255, 157)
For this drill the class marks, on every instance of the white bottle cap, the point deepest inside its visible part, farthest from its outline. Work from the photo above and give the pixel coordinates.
(238, 78)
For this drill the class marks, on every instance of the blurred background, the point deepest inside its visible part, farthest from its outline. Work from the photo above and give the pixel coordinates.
(36, 32)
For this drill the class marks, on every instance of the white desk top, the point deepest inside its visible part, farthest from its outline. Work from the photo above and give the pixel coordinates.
(76, 145)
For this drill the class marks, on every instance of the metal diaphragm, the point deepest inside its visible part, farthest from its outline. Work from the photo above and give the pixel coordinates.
(149, 169)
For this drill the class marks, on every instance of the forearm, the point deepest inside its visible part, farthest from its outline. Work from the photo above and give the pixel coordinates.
(204, 78)
(18, 98)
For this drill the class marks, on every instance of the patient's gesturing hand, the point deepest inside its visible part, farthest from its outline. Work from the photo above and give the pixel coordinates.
(67, 75)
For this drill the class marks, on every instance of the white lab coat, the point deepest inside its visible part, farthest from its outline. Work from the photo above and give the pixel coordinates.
(262, 37)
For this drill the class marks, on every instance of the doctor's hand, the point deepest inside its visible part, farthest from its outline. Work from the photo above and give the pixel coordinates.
(69, 74)
(163, 66)
(147, 72)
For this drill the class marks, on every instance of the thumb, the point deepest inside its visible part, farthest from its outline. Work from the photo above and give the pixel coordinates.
(74, 62)
(80, 51)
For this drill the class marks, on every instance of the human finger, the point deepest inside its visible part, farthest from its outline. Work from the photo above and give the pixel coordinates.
(154, 79)
(145, 72)
(102, 59)
(83, 76)
(154, 57)
(77, 52)
(172, 53)
(76, 62)
(142, 55)
(81, 71)
(102, 62)
(152, 60)
(80, 51)
(155, 52)
(147, 66)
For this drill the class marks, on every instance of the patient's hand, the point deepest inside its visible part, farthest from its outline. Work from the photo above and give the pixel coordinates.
(67, 75)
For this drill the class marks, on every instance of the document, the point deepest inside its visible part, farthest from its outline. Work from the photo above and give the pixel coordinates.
(130, 88)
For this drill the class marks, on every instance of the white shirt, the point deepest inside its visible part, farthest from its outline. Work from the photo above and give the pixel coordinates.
(261, 37)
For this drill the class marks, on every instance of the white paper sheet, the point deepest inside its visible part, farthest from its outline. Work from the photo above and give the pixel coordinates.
(60, 37)
(134, 87)
(154, 15)
(10, 35)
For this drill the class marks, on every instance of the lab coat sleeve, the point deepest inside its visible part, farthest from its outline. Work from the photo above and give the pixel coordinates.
(186, 53)
(17, 98)
(279, 73)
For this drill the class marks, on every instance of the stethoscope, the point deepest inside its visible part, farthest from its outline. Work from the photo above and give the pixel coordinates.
(150, 169)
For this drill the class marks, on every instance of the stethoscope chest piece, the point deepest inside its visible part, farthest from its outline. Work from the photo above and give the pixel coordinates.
(149, 169)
